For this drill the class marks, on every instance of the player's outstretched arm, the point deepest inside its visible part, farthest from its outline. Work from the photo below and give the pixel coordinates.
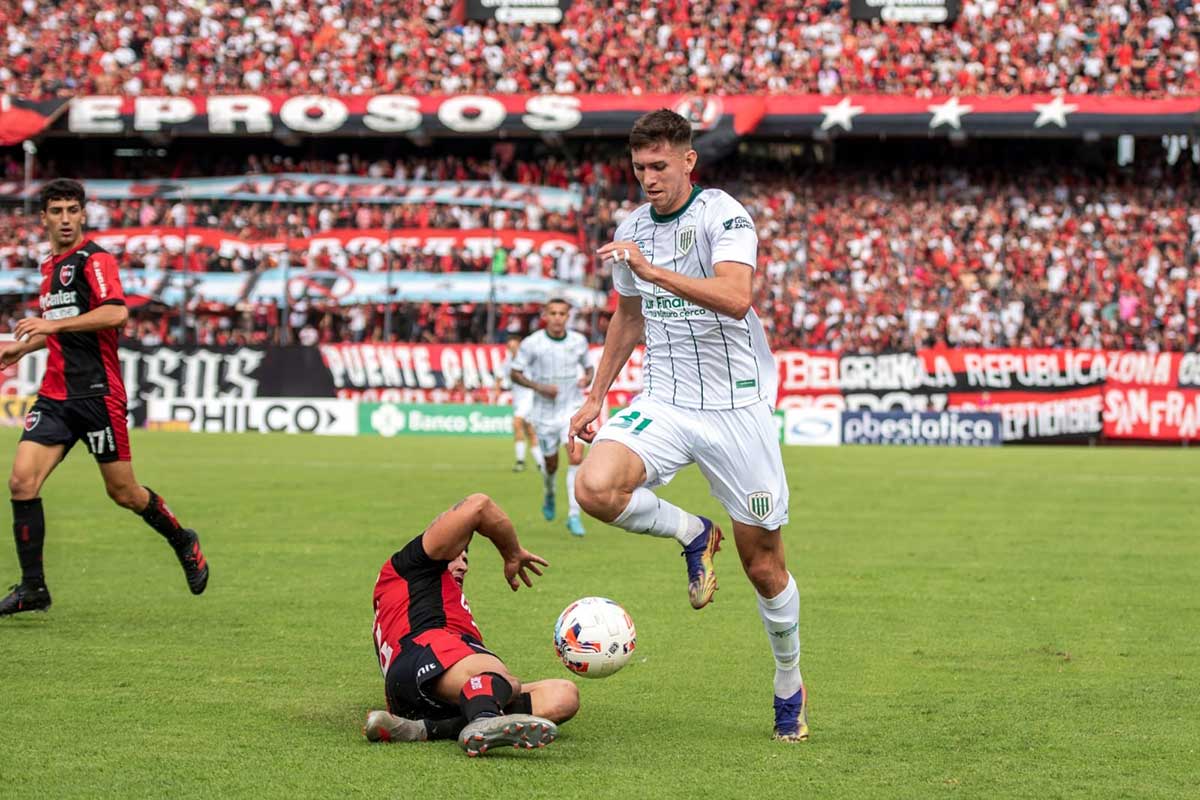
(624, 332)
(98, 319)
(728, 292)
(451, 532)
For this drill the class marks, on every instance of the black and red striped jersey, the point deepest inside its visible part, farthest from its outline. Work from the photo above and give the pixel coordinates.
(81, 364)
(416, 593)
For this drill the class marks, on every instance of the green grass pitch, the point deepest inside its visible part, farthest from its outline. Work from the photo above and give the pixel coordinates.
(975, 623)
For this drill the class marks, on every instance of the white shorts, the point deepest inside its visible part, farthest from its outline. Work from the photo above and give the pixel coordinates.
(522, 401)
(736, 449)
(551, 434)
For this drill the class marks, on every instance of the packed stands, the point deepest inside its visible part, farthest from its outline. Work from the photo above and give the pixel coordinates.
(863, 258)
(1145, 48)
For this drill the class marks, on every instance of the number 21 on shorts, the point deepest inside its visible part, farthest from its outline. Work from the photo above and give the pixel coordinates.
(628, 419)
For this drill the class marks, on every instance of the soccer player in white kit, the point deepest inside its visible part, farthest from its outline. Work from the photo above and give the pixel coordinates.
(553, 362)
(522, 403)
(683, 267)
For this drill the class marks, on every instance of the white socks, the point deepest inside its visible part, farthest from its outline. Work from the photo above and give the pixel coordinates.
(539, 458)
(781, 618)
(647, 513)
(520, 447)
(574, 504)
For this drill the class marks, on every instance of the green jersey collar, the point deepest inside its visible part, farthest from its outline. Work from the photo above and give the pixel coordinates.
(654, 215)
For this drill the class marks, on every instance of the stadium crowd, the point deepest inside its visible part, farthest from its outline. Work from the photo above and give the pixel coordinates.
(1119, 47)
(852, 257)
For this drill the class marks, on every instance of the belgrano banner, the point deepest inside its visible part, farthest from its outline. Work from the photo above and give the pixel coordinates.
(1039, 395)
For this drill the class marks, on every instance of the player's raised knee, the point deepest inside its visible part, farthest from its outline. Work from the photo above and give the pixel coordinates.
(596, 494)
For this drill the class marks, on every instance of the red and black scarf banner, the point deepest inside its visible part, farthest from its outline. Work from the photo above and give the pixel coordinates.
(721, 119)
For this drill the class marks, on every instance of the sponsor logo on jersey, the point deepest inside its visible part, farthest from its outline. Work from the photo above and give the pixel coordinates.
(668, 306)
(735, 223)
(32, 419)
(646, 246)
(59, 298)
(66, 274)
(684, 240)
(61, 313)
(102, 284)
(759, 504)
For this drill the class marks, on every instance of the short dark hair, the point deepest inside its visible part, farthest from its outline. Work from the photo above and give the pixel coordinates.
(663, 125)
(62, 189)
(564, 301)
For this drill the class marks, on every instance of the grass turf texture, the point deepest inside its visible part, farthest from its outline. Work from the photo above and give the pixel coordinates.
(976, 623)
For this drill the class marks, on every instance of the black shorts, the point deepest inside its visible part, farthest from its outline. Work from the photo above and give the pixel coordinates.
(423, 658)
(98, 421)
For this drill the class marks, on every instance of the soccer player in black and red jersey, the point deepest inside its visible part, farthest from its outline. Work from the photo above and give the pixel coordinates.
(82, 396)
(439, 679)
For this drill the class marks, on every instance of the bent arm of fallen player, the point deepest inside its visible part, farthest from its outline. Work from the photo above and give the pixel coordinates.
(449, 534)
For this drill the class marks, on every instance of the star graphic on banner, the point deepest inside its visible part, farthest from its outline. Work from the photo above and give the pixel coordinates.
(1055, 111)
(949, 113)
(841, 114)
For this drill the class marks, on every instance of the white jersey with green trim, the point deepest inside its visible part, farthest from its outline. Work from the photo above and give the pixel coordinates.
(561, 362)
(696, 358)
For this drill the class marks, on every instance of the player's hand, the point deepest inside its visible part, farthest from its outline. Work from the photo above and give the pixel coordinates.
(11, 353)
(519, 562)
(34, 326)
(581, 423)
(584, 382)
(548, 390)
(632, 255)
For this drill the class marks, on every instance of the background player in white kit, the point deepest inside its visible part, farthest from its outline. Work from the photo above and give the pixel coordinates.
(522, 403)
(553, 362)
(684, 266)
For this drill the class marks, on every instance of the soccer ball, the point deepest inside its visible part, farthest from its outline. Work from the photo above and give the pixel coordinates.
(594, 637)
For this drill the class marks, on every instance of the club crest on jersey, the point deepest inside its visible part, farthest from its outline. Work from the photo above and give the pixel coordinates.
(32, 419)
(684, 240)
(66, 274)
(759, 504)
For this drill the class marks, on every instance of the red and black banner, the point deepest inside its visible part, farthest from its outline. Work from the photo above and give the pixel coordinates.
(22, 119)
(1041, 395)
(719, 119)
